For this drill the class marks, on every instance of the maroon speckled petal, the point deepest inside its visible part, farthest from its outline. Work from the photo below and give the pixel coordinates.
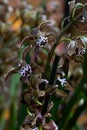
(26, 39)
(43, 25)
(10, 73)
(26, 50)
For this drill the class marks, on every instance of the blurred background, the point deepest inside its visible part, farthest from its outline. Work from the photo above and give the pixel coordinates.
(17, 18)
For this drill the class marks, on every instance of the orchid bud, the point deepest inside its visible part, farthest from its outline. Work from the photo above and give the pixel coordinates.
(71, 47)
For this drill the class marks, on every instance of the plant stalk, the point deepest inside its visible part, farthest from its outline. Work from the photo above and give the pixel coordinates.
(51, 81)
(57, 42)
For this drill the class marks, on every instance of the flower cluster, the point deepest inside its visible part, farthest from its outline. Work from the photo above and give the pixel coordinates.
(38, 86)
(76, 48)
(39, 36)
(41, 120)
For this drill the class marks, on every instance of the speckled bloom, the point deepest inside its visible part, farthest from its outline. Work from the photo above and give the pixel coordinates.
(25, 71)
(41, 41)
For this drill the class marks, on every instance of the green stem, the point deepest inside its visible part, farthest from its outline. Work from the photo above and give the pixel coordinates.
(51, 81)
(57, 42)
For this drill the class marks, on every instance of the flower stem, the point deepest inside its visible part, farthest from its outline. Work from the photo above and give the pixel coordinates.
(57, 42)
(51, 81)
